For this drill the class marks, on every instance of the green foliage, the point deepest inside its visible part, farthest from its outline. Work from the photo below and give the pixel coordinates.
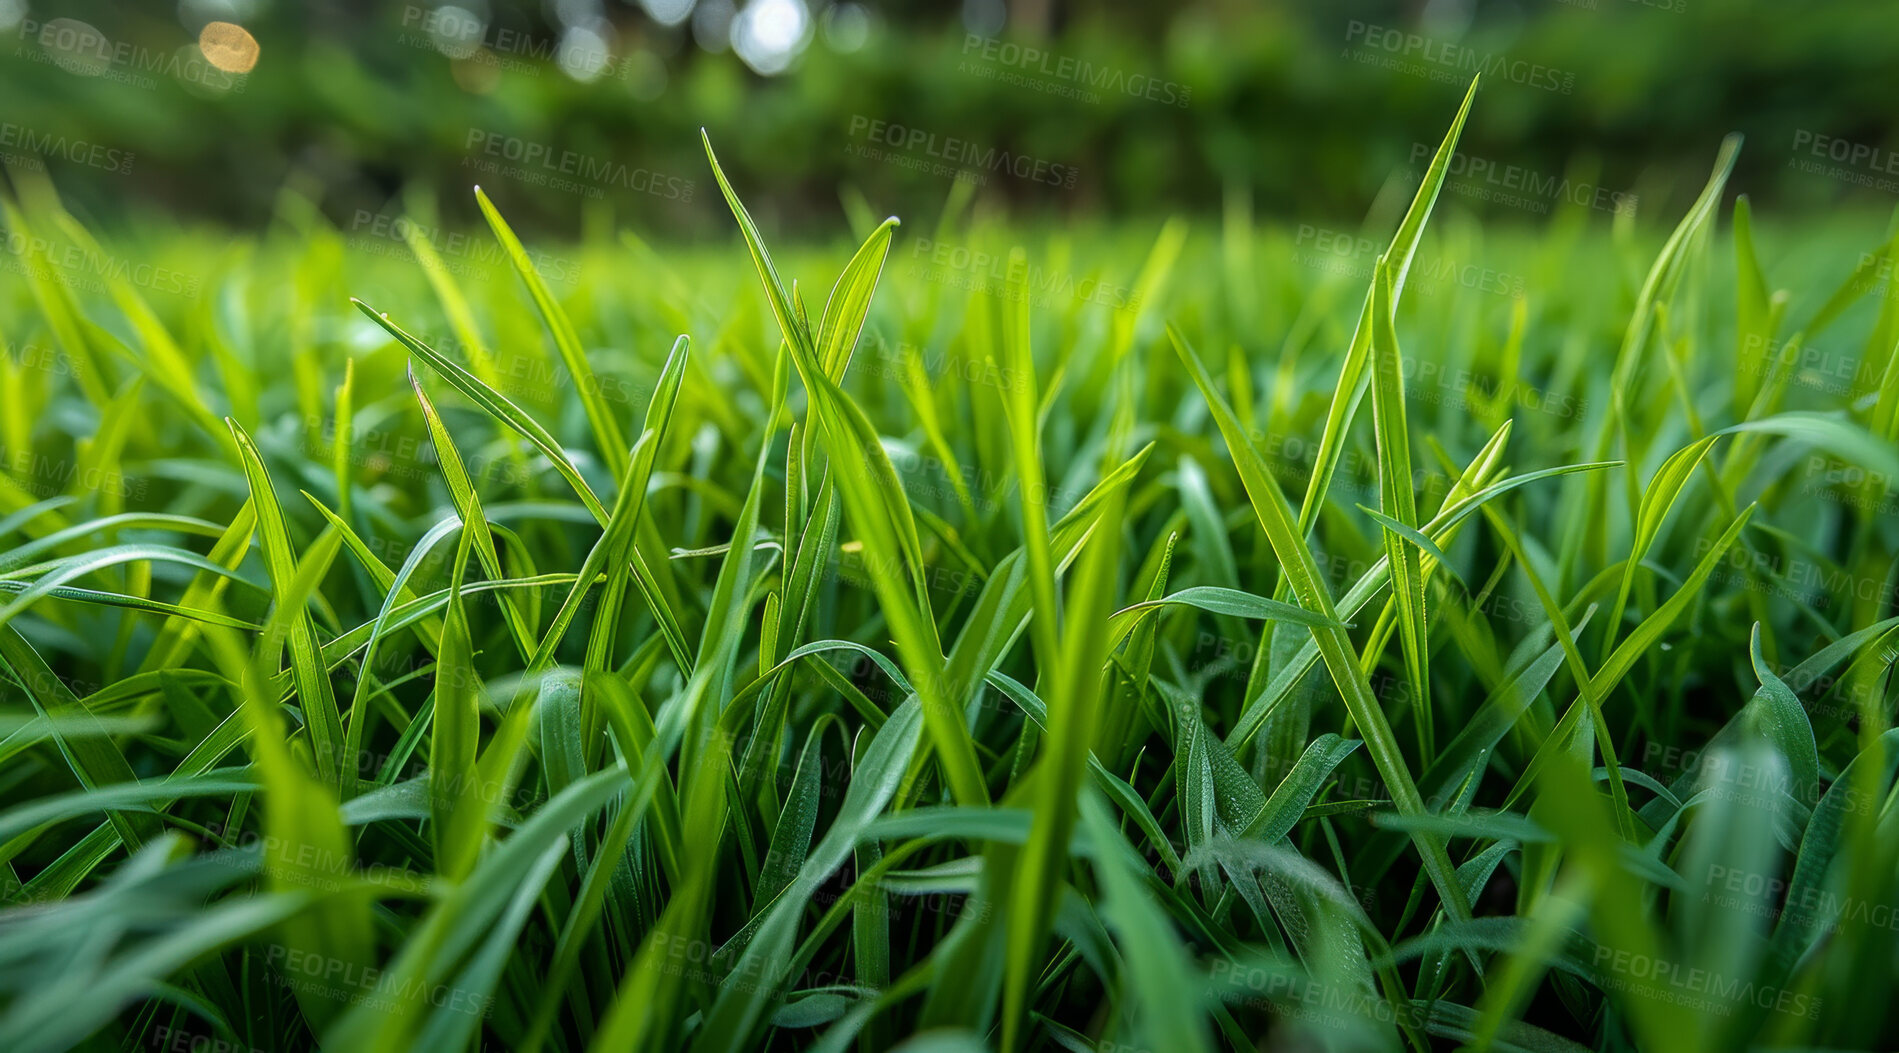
(951, 668)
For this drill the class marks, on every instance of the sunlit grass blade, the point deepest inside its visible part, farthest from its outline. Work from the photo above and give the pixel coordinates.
(1335, 648)
(1400, 503)
(607, 433)
(876, 508)
(315, 695)
(1350, 389)
(1073, 715)
(512, 416)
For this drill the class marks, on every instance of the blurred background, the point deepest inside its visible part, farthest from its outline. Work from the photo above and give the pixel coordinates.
(574, 111)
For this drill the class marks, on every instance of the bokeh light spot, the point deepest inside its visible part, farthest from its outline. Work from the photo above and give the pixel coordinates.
(667, 12)
(229, 47)
(847, 27)
(768, 34)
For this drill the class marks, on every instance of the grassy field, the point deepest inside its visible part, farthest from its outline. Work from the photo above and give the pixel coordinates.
(1153, 637)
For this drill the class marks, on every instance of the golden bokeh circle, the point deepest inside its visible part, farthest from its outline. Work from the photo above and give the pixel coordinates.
(229, 47)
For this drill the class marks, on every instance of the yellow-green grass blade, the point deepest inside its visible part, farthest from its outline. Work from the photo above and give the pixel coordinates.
(508, 414)
(494, 403)
(1371, 582)
(849, 304)
(308, 848)
(1212, 598)
(790, 323)
(1353, 378)
(1019, 405)
(413, 982)
(58, 306)
(315, 696)
(457, 808)
(343, 432)
(729, 604)
(1664, 276)
(875, 507)
(461, 491)
(1352, 381)
(205, 591)
(1657, 500)
(1073, 716)
(461, 319)
(168, 367)
(1640, 641)
(758, 971)
(93, 758)
(1586, 686)
(131, 603)
(1334, 647)
(635, 740)
(608, 435)
(1756, 311)
(393, 583)
(1035, 876)
(1159, 967)
(1400, 503)
(49, 577)
(1592, 849)
(397, 589)
(650, 981)
(480, 781)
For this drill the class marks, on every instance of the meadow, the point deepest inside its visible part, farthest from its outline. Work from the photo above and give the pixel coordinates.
(1440, 632)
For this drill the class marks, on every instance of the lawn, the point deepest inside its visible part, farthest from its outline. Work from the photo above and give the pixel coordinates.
(1163, 635)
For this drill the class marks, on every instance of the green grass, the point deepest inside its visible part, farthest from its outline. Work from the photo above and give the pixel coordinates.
(1154, 636)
